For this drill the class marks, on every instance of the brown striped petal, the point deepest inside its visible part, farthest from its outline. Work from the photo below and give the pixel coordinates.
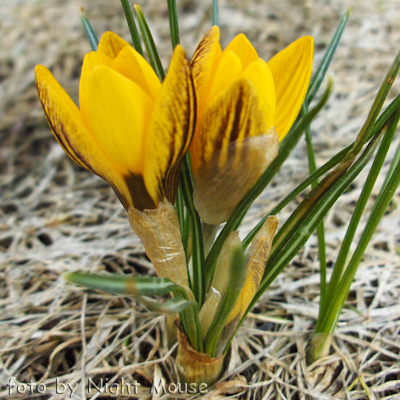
(66, 124)
(233, 145)
(170, 130)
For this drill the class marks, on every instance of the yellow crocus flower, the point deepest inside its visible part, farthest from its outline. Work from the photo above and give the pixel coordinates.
(245, 107)
(131, 130)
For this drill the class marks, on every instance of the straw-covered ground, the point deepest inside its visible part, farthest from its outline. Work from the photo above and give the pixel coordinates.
(55, 217)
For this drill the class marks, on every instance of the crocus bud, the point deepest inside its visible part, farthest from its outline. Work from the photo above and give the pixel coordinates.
(130, 129)
(245, 107)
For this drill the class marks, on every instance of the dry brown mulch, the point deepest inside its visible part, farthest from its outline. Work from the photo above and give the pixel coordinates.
(55, 217)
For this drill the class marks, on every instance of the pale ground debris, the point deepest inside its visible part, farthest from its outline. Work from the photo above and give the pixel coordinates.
(56, 217)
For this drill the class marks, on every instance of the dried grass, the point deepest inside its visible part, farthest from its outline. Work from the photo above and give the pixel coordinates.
(57, 218)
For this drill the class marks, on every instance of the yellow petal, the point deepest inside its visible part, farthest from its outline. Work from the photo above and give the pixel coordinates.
(91, 60)
(116, 111)
(228, 69)
(204, 58)
(291, 69)
(259, 73)
(230, 150)
(134, 67)
(241, 46)
(237, 112)
(111, 44)
(170, 129)
(66, 124)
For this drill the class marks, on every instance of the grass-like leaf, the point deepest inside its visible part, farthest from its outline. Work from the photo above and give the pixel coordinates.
(312, 166)
(198, 277)
(323, 66)
(172, 306)
(235, 273)
(123, 285)
(149, 43)
(90, 33)
(215, 13)
(335, 160)
(377, 105)
(173, 23)
(317, 204)
(343, 276)
(132, 26)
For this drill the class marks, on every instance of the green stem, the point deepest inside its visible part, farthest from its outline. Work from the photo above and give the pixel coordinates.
(180, 210)
(190, 321)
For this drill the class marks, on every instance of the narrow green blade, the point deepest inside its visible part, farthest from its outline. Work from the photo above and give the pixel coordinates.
(90, 33)
(215, 12)
(335, 160)
(132, 26)
(173, 23)
(323, 66)
(329, 317)
(236, 276)
(359, 210)
(123, 285)
(198, 282)
(377, 105)
(149, 43)
(172, 306)
(279, 259)
(312, 166)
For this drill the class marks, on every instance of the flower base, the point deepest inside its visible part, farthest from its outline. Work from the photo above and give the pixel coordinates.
(196, 367)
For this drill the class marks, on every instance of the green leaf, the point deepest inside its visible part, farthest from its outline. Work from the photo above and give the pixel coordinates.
(173, 23)
(340, 286)
(123, 285)
(377, 105)
(215, 17)
(132, 26)
(189, 318)
(312, 165)
(149, 43)
(172, 306)
(180, 210)
(315, 206)
(335, 160)
(235, 275)
(198, 278)
(90, 33)
(358, 212)
(323, 66)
